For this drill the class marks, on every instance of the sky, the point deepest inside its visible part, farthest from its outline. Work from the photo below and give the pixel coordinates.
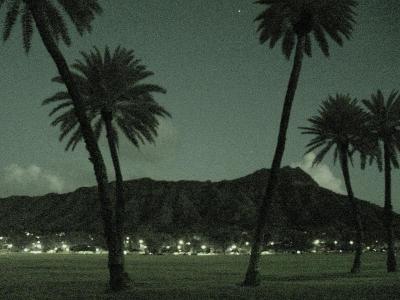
(224, 91)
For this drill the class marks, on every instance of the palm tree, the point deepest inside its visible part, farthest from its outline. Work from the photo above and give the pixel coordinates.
(49, 20)
(384, 123)
(115, 96)
(341, 123)
(294, 21)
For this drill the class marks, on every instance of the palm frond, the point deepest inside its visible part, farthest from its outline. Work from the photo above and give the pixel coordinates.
(11, 18)
(322, 18)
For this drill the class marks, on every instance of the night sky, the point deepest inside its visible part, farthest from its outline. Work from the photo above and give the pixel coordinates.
(225, 93)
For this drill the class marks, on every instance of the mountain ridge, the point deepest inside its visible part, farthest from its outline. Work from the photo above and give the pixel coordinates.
(208, 208)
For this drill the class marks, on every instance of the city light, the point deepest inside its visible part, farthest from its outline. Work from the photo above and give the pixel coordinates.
(351, 242)
(181, 242)
(335, 242)
(203, 247)
(316, 242)
(247, 243)
(141, 242)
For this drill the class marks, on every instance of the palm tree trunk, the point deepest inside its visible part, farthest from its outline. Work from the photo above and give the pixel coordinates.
(114, 258)
(388, 212)
(252, 277)
(119, 187)
(355, 209)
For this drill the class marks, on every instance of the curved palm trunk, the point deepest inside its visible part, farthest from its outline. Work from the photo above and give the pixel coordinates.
(252, 277)
(114, 258)
(119, 187)
(355, 209)
(391, 258)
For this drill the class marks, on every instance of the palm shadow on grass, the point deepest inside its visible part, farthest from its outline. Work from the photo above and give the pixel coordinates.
(316, 277)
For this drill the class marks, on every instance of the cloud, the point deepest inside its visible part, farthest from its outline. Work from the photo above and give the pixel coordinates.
(165, 145)
(321, 173)
(30, 180)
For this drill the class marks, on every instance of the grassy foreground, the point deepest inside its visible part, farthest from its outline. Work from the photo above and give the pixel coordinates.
(311, 276)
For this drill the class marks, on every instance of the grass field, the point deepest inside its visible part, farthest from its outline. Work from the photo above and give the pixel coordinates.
(310, 276)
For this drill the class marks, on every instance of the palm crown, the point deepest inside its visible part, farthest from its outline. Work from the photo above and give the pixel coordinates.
(384, 121)
(81, 13)
(341, 123)
(111, 87)
(290, 18)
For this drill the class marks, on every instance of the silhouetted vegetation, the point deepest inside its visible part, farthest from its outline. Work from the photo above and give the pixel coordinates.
(294, 22)
(384, 121)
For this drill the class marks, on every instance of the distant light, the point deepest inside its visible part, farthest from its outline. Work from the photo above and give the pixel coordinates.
(335, 242)
(247, 243)
(351, 242)
(128, 238)
(168, 247)
(203, 247)
(316, 242)
(140, 241)
(188, 243)
(125, 252)
(233, 247)
(272, 243)
(1, 237)
(39, 246)
(181, 242)
(9, 246)
(26, 250)
(368, 248)
(179, 247)
(298, 252)
(239, 11)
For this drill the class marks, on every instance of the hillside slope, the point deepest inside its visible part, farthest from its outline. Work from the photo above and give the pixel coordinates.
(191, 207)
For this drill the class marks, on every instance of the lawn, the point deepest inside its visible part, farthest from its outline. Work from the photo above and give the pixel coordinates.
(310, 276)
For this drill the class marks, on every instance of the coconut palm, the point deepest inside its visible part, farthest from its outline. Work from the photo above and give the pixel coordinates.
(294, 22)
(115, 97)
(341, 124)
(47, 16)
(384, 123)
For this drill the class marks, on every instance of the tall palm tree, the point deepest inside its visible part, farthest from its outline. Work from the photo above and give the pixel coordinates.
(384, 123)
(115, 96)
(341, 123)
(47, 17)
(294, 21)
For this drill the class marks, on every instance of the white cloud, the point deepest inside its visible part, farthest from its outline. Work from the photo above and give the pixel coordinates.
(30, 180)
(321, 173)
